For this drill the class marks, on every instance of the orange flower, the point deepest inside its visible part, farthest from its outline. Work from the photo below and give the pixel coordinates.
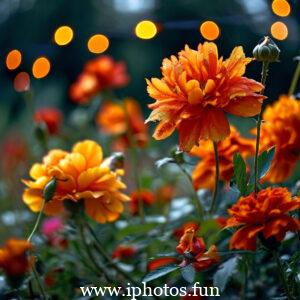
(281, 128)
(124, 120)
(178, 232)
(165, 193)
(146, 196)
(196, 89)
(98, 74)
(204, 172)
(50, 116)
(13, 257)
(81, 175)
(160, 262)
(266, 214)
(123, 252)
(191, 244)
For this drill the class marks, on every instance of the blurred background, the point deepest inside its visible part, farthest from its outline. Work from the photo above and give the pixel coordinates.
(46, 44)
(29, 26)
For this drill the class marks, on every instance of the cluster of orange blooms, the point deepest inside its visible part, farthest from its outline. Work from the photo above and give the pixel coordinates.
(14, 257)
(125, 121)
(51, 117)
(81, 174)
(99, 74)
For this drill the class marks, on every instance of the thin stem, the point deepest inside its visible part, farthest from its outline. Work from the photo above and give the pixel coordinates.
(102, 251)
(217, 171)
(39, 283)
(198, 204)
(264, 75)
(294, 80)
(90, 253)
(38, 220)
(282, 276)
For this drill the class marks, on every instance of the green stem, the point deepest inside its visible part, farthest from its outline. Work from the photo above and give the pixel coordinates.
(264, 75)
(217, 172)
(102, 251)
(102, 270)
(39, 283)
(294, 80)
(282, 275)
(195, 198)
(38, 220)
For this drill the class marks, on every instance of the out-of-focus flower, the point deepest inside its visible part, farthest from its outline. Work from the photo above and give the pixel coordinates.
(204, 172)
(14, 258)
(179, 232)
(51, 117)
(281, 128)
(196, 90)
(146, 196)
(194, 246)
(165, 193)
(221, 222)
(51, 229)
(13, 152)
(124, 120)
(98, 74)
(80, 176)
(124, 252)
(265, 214)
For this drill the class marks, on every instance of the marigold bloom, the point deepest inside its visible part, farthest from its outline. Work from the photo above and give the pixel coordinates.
(80, 176)
(179, 232)
(146, 196)
(191, 244)
(196, 90)
(124, 252)
(50, 116)
(266, 213)
(124, 120)
(13, 257)
(98, 74)
(204, 173)
(281, 128)
(165, 193)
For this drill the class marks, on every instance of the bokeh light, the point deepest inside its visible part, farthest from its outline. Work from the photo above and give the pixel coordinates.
(98, 43)
(13, 59)
(210, 30)
(63, 35)
(22, 82)
(41, 67)
(279, 31)
(281, 8)
(146, 30)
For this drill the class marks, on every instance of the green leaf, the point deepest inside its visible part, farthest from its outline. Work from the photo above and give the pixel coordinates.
(224, 273)
(188, 273)
(160, 272)
(49, 189)
(135, 229)
(240, 173)
(264, 162)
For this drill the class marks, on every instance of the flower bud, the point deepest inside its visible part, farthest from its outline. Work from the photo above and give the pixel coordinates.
(49, 190)
(177, 155)
(266, 51)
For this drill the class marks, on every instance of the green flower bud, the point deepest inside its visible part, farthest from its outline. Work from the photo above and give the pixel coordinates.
(177, 155)
(49, 190)
(266, 51)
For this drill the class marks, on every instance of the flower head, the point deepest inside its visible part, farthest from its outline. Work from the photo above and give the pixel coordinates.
(13, 257)
(98, 74)
(281, 128)
(124, 252)
(50, 116)
(194, 246)
(204, 172)
(51, 229)
(146, 196)
(80, 176)
(266, 213)
(196, 90)
(124, 120)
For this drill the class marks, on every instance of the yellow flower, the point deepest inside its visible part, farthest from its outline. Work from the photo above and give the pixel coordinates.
(81, 175)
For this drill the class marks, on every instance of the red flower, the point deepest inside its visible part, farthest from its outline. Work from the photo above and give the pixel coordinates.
(98, 74)
(146, 196)
(123, 252)
(50, 116)
(160, 262)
